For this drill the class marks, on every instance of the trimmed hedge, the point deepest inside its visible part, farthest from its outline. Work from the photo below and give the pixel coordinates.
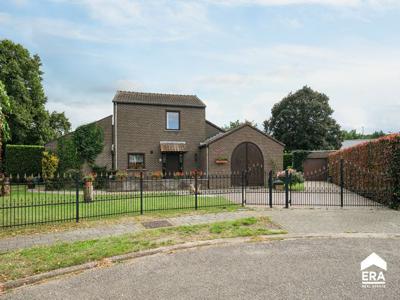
(371, 168)
(299, 156)
(287, 160)
(23, 160)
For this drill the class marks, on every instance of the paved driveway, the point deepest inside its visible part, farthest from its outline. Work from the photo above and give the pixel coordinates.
(288, 269)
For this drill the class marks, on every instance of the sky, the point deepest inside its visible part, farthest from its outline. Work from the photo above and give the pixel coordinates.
(239, 56)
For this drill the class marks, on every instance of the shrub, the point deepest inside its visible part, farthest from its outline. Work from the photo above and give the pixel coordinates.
(287, 160)
(89, 142)
(296, 177)
(298, 158)
(23, 159)
(66, 152)
(371, 168)
(49, 165)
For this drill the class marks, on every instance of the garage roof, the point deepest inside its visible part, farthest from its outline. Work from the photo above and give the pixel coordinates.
(224, 134)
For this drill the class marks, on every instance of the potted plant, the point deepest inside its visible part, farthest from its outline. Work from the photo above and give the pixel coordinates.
(278, 185)
(221, 160)
(88, 188)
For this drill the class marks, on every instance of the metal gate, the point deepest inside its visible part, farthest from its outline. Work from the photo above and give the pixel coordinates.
(340, 184)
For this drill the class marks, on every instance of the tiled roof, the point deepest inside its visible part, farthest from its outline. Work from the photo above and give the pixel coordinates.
(223, 134)
(158, 99)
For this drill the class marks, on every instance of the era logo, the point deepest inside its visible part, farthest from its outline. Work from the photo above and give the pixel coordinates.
(373, 278)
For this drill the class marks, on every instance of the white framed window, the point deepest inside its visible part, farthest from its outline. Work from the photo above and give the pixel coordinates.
(136, 161)
(173, 120)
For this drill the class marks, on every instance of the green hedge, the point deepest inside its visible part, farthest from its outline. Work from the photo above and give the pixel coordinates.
(287, 160)
(23, 159)
(298, 158)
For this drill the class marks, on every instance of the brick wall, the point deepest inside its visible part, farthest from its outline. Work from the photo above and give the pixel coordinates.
(211, 130)
(271, 150)
(104, 159)
(140, 128)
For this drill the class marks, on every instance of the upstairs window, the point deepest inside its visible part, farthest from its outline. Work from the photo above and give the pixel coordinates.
(136, 161)
(173, 120)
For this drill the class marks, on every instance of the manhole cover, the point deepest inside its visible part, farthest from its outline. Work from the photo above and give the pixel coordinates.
(156, 224)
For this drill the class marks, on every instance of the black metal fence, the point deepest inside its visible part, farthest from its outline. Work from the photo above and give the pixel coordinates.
(26, 201)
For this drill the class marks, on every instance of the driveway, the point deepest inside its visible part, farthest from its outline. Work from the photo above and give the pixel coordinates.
(287, 269)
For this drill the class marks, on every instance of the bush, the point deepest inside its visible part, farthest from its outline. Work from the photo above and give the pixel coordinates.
(287, 160)
(23, 159)
(298, 158)
(372, 166)
(49, 165)
(66, 152)
(296, 177)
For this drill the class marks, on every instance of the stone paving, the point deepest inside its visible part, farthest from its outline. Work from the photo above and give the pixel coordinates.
(297, 221)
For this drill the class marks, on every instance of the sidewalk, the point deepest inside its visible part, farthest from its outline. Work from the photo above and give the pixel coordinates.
(296, 221)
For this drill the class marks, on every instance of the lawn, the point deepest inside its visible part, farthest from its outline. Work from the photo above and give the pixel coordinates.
(23, 263)
(25, 206)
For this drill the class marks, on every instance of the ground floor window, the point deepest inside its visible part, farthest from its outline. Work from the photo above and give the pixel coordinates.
(136, 161)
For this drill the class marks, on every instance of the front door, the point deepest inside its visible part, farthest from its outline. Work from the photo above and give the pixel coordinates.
(172, 164)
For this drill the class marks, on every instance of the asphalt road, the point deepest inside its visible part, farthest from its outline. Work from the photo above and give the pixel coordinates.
(287, 269)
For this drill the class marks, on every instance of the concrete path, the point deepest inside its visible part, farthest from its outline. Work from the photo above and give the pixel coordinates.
(297, 221)
(287, 269)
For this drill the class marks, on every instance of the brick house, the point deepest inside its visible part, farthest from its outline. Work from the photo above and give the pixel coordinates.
(169, 133)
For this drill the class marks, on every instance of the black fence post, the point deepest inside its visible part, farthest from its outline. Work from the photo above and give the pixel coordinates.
(243, 188)
(341, 182)
(270, 188)
(286, 189)
(77, 183)
(195, 190)
(141, 193)
(290, 189)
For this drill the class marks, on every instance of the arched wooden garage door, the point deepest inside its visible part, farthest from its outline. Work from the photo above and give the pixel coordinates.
(248, 157)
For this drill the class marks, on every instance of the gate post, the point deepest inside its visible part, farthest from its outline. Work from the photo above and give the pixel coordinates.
(270, 188)
(286, 189)
(341, 182)
(243, 188)
(141, 193)
(195, 190)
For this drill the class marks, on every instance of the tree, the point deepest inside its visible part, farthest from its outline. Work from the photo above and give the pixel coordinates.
(303, 120)
(5, 109)
(89, 142)
(59, 124)
(237, 123)
(20, 72)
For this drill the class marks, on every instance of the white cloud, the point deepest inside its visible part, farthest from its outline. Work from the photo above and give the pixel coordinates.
(362, 82)
(288, 2)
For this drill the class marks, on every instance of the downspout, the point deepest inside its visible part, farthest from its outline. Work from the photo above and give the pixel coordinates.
(207, 161)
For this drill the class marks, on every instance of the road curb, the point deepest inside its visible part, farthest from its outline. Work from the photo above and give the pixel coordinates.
(186, 246)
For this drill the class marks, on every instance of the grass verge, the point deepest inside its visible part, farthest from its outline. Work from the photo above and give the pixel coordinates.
(27, 262)
(112, 219)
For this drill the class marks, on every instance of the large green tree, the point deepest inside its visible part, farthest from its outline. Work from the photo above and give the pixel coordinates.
(5, 110)
(303, 120)
(59, 124)
(20, 72)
